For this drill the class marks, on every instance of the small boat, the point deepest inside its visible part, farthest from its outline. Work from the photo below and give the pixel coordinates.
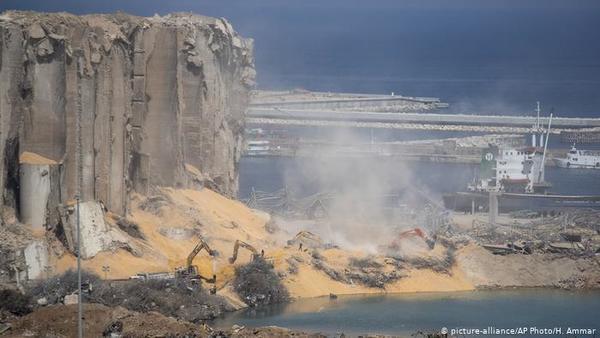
(258, 147)
(579, 159)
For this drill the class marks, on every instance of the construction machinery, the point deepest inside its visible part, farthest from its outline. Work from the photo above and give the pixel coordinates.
(416, 232)
(191, 272)
(306, 239)
(236, 247)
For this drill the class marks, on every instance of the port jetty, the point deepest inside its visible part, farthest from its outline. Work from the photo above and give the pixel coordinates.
(275, 120)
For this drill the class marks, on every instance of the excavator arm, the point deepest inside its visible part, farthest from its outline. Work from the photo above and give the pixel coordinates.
(418, 233)
(236, 248)
(191, 271)
(201, 245)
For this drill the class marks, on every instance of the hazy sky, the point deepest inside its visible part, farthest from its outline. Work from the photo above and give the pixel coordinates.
(475, 54)
(224, 7)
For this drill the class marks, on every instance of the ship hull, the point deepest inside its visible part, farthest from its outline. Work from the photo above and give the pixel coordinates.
(564, 163)
(507, 202)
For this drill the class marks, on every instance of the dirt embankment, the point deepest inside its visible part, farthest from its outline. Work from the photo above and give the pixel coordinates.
(166, 226)
(487, 270)
(61, 321)
(100, 321)
(171, 222)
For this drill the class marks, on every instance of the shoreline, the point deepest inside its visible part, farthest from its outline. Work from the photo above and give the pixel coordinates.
(392, 293)
(345, 305)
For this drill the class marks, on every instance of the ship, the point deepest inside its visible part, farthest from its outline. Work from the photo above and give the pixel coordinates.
(517, 177)
(580, 159)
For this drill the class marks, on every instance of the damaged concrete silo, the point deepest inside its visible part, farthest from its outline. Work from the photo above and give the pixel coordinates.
(110, 104)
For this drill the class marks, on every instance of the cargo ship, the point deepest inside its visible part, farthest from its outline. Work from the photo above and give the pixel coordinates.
(516, 177)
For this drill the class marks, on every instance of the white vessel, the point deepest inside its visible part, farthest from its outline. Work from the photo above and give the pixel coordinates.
(515, 170)
(579, 159)
(257, 147)
(511, 170)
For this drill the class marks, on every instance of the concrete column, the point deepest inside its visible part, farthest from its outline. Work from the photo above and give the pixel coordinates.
(493, 207)
(36, 258)
(39, 190)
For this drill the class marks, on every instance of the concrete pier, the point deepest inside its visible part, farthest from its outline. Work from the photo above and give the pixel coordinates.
(391, 111)
(520, 123)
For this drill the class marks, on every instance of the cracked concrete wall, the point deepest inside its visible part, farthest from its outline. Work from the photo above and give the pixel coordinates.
(36, 259)
(11, 78)
(149, 96)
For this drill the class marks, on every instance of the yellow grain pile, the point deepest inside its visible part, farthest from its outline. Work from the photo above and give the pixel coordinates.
(220, 221)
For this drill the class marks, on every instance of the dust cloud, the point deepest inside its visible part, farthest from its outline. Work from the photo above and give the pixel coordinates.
(371, 197)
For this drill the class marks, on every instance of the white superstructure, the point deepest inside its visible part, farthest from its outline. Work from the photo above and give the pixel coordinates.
(579, 159)
(518, 170)
(511, 170)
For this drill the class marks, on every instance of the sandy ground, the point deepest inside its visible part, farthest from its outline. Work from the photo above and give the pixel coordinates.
(220, 221)
(33, 158)
(484, 269)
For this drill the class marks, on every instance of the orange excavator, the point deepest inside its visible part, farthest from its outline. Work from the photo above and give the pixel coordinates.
(236, 247)
(191, 272)
(416, 232)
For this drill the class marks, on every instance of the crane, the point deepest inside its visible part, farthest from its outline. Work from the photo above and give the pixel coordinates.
(247, 246)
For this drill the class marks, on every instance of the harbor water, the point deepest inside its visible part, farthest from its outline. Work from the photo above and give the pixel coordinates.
(306, 176)
(405, 314)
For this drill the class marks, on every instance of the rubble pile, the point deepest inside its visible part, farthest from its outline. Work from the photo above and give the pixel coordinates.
(364, 271)
(320, 264)
(441, 265)
(293, 264)
(153, 204)
(15, 303)
(169, 297)
(102, 321)
(575, 232)
(130, 227)
(576, 218)
(258, 284)
(573, 282)
(13, 240)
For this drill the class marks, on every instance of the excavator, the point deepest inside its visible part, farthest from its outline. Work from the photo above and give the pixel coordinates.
(412, 233)
(306, 238)
(191, 272)
(236, 247)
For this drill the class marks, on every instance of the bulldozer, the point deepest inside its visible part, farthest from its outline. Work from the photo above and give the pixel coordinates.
(236, 248)
(191, 273)
(416, 232)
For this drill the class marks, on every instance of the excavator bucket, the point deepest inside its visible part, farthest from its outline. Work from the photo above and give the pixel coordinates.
(253, 251)
(430, 244)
